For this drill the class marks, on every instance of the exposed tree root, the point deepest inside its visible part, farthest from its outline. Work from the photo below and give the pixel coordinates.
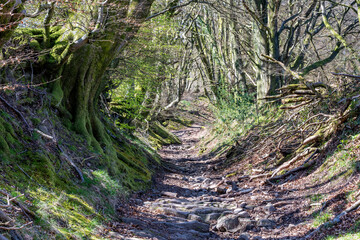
(244, 191)
(296, 158)
(16, 228)
(302, 167)
(336, 220)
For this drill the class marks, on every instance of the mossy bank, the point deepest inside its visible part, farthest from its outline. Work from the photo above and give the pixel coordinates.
(72, 188)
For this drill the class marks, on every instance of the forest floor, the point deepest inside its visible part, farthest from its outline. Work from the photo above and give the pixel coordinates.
(196, 198)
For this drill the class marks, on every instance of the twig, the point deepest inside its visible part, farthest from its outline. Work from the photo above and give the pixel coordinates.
(346, 75)
(16, 228)
(25, 209)
(17, 111)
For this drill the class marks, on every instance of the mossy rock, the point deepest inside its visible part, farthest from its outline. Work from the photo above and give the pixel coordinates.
(164, 137)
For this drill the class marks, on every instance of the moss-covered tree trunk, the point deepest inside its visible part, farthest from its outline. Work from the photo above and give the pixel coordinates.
(79, 87)
(81, 75)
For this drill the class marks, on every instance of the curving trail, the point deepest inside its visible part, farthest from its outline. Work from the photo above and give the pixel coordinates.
(190, 201)
(183, 203)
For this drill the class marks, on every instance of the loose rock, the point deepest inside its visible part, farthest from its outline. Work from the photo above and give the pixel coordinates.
(232, 223)
(244, 237)
(212, 217)
(194, 217)
(243, 214)
(270, 208)
(266, 223)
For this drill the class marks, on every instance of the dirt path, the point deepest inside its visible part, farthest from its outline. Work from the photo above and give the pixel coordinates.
(191, 201)
(182, 204)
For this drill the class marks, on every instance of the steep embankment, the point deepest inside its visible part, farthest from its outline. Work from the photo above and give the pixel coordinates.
(52, 183)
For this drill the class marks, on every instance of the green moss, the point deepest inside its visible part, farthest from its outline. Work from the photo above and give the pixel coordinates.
(321, 218)
(57, 94)
(41, 168)
(35, 121)
(55, 34)
(35, 45)
(67, 214)
(9, 138)
(4, 147)
(58, 52)
(161, 136)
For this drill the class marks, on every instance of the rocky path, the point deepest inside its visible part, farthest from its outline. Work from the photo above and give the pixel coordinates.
(188, 203)
(193, 199)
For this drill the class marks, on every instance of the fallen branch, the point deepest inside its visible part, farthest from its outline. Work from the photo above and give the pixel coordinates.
(25, 209)
(228, 195)
(16, 228)
(65, 156)
(68, 159)
(346, 75)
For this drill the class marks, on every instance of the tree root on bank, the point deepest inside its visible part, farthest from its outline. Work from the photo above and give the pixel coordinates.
(302, 167)
(312, 145)
(336, 220)
(295, 159)
(230, 195)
